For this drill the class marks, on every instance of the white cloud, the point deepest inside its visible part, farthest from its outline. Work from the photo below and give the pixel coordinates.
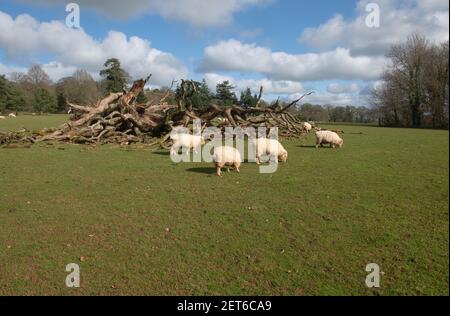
(7, 70)
(324, 98)
(367, 90)
(232, 55)
(337, 88)
(24, 39)
(53, 69)
(398, 20)
(270, 86)
(199, 13)
(57, 70)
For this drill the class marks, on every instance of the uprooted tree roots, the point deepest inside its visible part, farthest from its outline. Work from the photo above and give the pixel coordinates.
(119, 119)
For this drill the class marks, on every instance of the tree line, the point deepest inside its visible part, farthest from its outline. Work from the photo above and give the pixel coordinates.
(35, 92)
(414, 89)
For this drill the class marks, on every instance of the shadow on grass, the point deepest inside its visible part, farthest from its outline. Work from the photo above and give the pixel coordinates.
(161, 153)
(307, 146)
(314, 147)
(203, 170)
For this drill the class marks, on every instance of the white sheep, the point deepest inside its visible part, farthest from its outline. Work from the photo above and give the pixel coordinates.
(12, 115)
(186, 141)
(328, 137)
(307, 127)
(226, 156)
(2, 118)
(271, 147)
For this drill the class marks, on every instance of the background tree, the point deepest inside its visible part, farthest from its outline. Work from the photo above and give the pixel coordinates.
(225, 94)
(11, 97)
(31, 85)
(311, 112)
(436, 85)
(37, 79)
(44, 101)
(198, 99)
(415, 89)
(115, 78)
(247, 99)
(80, 88)
(61, 103)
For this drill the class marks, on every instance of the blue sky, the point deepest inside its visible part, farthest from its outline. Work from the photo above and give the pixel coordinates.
(286, 46)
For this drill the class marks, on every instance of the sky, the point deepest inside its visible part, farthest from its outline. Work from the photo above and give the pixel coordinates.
(335, 48)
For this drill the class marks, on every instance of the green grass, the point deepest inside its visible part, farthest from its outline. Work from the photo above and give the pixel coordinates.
(308, 229)
(33, 123)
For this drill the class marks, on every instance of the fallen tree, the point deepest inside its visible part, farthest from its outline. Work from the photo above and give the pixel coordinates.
(119, 119)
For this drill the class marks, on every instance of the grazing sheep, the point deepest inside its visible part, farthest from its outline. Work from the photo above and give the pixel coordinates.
(12, 115)
(328, 137)
(226, 156)
(186, 141)
(270, 147)
(2, 118)
(307, 127)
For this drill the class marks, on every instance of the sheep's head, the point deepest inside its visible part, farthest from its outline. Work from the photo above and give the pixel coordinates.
(341, 143)
(283, 156)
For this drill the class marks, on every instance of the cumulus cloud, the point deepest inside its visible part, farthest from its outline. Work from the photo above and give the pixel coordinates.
(232, 55)
(337, 88)
(374, 85)
(7, 70)
(199, 13)
(325, 98)
(25, 38)
(54, 70)
(398, 20)
(270, 86)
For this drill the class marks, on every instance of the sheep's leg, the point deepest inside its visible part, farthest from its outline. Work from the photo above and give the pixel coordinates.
(236, 167)
(218, 171)
(174, 150)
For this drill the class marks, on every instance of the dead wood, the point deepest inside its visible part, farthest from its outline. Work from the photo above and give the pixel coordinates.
(118, 119)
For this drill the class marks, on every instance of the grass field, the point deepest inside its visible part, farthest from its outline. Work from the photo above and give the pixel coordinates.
(137, 224)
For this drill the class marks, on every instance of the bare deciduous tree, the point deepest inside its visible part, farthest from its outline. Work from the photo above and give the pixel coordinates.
(415, 89)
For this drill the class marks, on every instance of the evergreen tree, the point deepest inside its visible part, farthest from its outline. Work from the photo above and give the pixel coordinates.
(115, 78)
(44, 101)
(11, 97)
(199, 99)
(247, 99)
(61, 102)
(225, 94)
